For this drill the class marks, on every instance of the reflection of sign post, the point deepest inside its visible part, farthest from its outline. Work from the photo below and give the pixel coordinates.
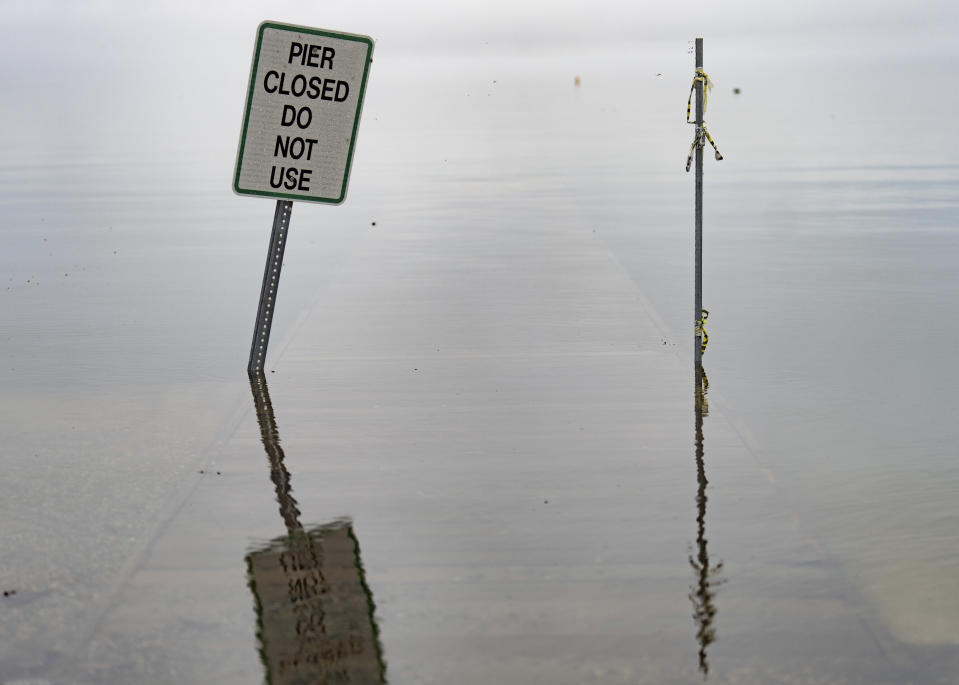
(314, 609)
(302, 112)
(299, 128)
(703, 593)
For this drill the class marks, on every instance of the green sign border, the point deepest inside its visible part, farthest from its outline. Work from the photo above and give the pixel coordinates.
(293, 28)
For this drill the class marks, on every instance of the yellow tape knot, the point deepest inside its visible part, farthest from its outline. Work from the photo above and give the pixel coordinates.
(702, 135)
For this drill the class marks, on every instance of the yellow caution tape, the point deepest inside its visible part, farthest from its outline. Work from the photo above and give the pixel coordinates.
(702, 403)
(699, 140)
(707, 86)
(702, 135)
(701, 331)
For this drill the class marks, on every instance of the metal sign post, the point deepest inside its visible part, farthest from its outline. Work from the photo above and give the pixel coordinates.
(700, 87)
(697, 312)
(299, 129)
(703, 593)
(271, 282)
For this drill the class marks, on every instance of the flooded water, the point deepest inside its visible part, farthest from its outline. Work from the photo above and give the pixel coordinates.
(478, 452)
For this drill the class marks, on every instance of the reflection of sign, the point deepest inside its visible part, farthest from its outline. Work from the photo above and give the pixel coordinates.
(302, 111)
(314, 609)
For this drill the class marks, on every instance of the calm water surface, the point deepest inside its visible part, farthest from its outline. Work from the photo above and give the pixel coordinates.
(469, 488)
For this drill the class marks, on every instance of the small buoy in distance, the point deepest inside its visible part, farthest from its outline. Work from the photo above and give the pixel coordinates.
(576, 81)
(736, 91)
(374, 223)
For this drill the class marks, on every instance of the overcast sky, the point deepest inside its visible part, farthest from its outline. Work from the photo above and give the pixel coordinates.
(75, 70)
(78, 30)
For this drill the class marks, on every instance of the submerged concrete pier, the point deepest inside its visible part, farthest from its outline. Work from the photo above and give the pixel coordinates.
(496, 408)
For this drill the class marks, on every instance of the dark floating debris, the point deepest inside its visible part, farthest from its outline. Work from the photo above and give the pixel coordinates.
(9, 593)
(736, 91)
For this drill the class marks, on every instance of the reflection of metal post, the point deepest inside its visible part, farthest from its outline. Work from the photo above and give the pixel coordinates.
(270, 435)
(315, 612)
(703, 593)
(698, 311)
(271, 282)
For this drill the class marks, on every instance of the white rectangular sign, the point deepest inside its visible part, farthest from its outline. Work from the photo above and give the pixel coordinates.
(302, 113)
